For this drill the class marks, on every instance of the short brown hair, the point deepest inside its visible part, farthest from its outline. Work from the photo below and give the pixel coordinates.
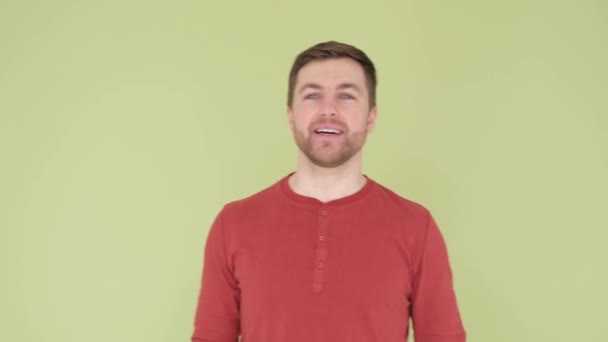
(332, 50)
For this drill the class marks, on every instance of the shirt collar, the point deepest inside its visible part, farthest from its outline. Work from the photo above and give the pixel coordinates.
(361, 193)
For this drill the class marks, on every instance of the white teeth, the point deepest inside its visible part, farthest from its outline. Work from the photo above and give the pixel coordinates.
(328, 130)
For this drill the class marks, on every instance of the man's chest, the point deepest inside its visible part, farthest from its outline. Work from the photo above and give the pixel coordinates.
(362, 263)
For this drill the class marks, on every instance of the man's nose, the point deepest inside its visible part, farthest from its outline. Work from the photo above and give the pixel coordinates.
(328, 108)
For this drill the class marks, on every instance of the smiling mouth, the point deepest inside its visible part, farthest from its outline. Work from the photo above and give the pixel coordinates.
(328, 131)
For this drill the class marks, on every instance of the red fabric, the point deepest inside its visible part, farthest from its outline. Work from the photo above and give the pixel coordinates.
(282, 267)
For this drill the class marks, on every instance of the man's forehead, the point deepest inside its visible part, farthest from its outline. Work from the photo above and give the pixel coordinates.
(331, 73)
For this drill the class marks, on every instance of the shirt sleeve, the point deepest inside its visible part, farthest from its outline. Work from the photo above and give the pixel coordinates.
(217, 317)
(434, 309)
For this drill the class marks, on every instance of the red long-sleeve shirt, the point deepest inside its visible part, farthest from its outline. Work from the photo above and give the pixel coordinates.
(282, 267)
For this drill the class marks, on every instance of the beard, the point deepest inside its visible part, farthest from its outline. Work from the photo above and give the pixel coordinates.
(330, 154)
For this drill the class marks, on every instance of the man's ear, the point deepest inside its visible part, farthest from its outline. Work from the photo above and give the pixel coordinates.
(290, 118)
(371, 119)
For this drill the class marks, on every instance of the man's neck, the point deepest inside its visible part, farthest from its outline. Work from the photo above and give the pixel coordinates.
(327, 184)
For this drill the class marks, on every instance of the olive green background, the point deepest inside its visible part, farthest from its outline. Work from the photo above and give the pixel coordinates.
(126, 125)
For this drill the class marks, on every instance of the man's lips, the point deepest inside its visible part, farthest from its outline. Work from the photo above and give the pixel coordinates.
(328, 130)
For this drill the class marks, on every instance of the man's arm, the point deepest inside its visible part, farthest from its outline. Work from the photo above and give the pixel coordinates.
(217, 313)
(434, 308)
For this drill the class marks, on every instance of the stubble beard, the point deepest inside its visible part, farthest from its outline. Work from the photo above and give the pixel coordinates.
(330, 154)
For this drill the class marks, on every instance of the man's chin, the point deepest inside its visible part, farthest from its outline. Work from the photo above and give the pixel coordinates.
(327, 165)
(328, 162)
(326, 155)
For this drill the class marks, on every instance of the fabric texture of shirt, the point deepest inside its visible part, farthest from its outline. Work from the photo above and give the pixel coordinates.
(282, 267)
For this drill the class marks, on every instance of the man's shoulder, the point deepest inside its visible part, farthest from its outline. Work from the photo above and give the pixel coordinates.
(392, 200)
(254, 203)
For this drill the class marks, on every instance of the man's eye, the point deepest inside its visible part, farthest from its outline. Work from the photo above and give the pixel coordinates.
(311, 96)
(347, 96)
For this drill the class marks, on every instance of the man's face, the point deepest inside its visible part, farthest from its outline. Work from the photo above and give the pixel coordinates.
(330, 115)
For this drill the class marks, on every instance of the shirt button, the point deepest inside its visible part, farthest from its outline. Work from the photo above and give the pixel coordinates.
(320, 264)
(321, 237)
(323, 212)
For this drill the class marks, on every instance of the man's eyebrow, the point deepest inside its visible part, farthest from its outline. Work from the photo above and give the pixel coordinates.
(340, 86)
(309, 85)
(349, 85)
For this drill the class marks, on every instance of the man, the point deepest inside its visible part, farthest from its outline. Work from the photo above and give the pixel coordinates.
(326, 254)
